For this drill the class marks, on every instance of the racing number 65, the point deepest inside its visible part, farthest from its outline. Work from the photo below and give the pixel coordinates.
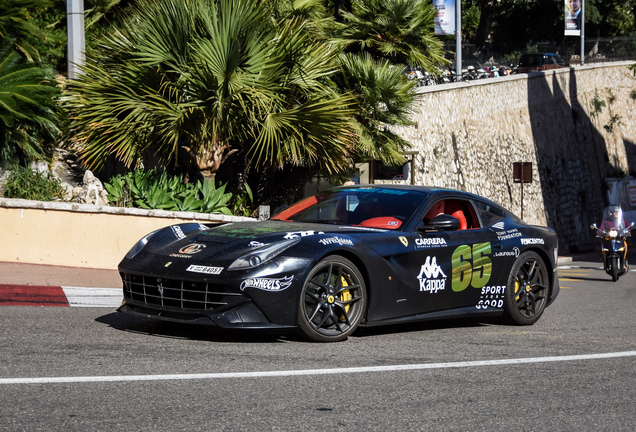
(477, 274)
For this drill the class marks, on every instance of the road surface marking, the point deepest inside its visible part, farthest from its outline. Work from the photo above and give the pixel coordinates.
(330, 371)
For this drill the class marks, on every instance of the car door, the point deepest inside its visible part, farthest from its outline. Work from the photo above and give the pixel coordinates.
(451, 268)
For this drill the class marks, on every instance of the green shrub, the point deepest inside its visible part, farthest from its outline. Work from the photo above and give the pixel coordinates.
(149, 190)
(33, 185)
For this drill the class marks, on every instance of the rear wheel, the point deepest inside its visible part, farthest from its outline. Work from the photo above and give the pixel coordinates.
(527, 290)
(332, 301)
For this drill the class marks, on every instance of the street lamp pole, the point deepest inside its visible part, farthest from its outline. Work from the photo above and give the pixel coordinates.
(75, 32)
(458, 40)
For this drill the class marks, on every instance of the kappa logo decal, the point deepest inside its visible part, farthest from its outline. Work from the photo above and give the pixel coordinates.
(432, 277)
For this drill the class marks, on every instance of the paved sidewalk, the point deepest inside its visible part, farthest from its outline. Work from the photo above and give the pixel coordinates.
(45, 285)
(13, 273)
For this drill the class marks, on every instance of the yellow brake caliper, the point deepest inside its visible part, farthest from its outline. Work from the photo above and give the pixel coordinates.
(345, 296)
(516, 289)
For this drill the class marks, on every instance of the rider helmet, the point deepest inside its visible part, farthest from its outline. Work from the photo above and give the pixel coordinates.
(613, 212)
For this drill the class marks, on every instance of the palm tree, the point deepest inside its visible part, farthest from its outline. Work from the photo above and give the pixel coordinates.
(28, 117)
(383, 98)
(401, 31)
(211, 77)
(15, 23)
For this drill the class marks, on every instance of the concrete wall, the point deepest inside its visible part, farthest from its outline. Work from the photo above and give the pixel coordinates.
(80, 235)
(469, 134)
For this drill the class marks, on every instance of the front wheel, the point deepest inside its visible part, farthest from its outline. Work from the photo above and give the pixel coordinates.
(614, 268)
(333, 300)
(527, 290)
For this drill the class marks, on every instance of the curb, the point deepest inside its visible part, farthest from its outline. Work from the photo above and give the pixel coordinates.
(60, 296)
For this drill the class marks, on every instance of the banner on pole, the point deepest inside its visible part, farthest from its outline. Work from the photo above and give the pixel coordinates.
(445, 17)
(573, 17)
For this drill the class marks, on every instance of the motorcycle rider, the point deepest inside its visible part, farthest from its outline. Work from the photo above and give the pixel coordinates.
(612, 219)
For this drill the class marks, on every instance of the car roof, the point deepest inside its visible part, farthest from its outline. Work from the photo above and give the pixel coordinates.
(430, 190)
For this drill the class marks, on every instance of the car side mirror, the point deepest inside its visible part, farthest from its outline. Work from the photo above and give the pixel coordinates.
(442, 222)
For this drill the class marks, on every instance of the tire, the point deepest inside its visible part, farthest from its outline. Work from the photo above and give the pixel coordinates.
(614, 268)
(527, 290)
(333, 300)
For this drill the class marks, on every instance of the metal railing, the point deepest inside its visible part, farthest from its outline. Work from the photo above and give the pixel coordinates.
(597, 50)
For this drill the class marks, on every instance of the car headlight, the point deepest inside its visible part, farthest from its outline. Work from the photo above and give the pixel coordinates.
(262, 255)
(140, 245)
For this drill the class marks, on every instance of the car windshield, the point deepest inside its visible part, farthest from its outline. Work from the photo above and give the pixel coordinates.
(373, 207)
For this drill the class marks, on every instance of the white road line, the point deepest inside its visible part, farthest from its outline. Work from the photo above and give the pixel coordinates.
(264, 374)
(93, 297)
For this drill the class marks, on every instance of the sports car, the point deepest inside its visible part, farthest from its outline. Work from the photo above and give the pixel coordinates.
(352, 256)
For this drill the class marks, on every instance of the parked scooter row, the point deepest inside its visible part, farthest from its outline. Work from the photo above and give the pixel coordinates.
(448, 75)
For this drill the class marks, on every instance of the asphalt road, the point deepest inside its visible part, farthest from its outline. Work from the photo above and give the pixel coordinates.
(78, 369)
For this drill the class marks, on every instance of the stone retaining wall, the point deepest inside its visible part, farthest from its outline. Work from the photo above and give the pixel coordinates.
(469, 134)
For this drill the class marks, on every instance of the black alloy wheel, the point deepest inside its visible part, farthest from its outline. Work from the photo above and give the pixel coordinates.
(333, 300)
(527, 290)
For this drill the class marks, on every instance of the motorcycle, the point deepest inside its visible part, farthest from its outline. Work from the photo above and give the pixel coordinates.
(614, 232)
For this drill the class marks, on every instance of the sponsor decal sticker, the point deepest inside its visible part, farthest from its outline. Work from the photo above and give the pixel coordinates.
(404, 240)
(267, 284)
(532, 241)
(204, 269)
(498, 225)
(177, 231)
(296, 234)
(491, 297)
(429, 242)
(189, 250)
(511, 233)
(336, 240)
(432, 278)
(514, 252)
(256, 244)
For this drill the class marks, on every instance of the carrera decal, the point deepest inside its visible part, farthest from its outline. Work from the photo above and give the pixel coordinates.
(204, 269)
(267, 284)
(532, 241)
(491, 297)
(189, 250)
(432, 278)
(471, 266)
(429, 242)
(336, 240)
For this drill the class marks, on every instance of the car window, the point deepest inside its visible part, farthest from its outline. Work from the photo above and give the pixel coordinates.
(488, 214)
(373, 207)
(458, 208)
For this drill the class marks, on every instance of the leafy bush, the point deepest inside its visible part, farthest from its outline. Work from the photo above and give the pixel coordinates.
(149, 190)
(33, 185)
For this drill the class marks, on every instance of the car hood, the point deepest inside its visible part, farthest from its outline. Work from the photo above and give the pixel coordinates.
(235, 239)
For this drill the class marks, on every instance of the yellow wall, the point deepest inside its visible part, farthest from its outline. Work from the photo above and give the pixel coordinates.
(77, 238)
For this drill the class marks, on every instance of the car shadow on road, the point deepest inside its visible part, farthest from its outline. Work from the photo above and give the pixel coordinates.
(164, 329)
(423, 326)
(156, 328)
